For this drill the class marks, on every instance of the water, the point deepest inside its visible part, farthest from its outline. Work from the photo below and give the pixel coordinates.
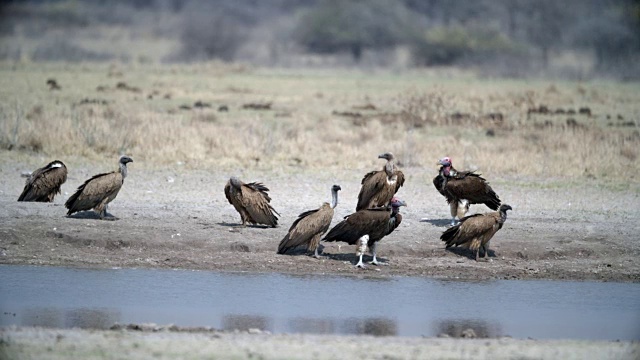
(403, 306)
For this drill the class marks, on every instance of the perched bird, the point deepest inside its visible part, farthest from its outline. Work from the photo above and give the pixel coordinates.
(310, 226)
(251, 201)
(366, 227)
(97, 192)
(43, 184)
(378, 187)
(463, 188)
(475, 231)
(53, 84)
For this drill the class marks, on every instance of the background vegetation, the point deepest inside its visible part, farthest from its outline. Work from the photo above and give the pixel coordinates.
(575, 39)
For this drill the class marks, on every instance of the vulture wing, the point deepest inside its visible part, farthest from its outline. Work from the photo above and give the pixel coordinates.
(98, 189)
(372, 222)
(376, 191)
(399, 181)
(472, 187)
(44, 183)
(234, 197)
(308, 225)
(480, 227)
(256, 201)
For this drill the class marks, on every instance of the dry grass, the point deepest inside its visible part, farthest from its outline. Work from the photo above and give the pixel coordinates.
(320, 119)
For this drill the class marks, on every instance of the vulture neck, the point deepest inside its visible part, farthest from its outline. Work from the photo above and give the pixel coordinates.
(389, 168)
(334, 199)
(123, 170)
(503, 216)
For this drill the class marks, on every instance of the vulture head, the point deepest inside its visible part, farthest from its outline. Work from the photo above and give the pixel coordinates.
(387, 156)
(445, 161)
(334, 195)
(235, 182)
(56, 164)
(396, 203)
(505, 207)
(124, 160)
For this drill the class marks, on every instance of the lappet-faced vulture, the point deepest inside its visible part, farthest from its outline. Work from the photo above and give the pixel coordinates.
(378, 187)
(475, 231)
(97, 192)
(310, 226)
(43, 184)
(251, 201)
(463, 188)
(366, 227)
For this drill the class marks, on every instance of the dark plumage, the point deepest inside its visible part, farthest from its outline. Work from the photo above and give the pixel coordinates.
(463, 188)
(475, 231)
(97, 192)
(251, 201)
(378, 187)
(310, 226)
(43, 184)
(366, 227)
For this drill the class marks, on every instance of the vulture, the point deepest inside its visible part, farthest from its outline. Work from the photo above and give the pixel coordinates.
(475, 231)
(366, 227)
(378, 187)
(310, 226)
(43, 184)
(251, 201)
(463, 188)
(97, 192)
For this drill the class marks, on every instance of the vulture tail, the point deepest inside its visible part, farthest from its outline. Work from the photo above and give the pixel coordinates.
(283, 248)
(493, 201)
(449, 235)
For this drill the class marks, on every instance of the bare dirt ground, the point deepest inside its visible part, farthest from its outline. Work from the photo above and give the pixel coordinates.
(178, 217)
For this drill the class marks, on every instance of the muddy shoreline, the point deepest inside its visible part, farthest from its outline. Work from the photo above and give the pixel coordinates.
(181, 219)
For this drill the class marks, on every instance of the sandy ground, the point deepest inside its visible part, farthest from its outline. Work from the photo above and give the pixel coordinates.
(36, 343)
(179, 218)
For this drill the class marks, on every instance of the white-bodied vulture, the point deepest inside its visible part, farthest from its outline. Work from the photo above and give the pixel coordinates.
(251, 201)
(43, 184)
(475, 231)
(97, 192)
(378, 187)
(366, 227)
(463, 188)
(310, 225)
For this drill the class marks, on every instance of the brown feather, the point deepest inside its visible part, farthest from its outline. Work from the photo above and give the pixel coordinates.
(252, 203)
(378, 189)
(96, 193)
(307, 229)
(475, 231)
(44, 183)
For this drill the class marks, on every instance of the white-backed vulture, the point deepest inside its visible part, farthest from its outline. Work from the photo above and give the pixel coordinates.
(463, 188)
(251, 201)
(475, 231)
(310, 225)
(378, 187)
(97, 192)
(43, 184)
(366, 227)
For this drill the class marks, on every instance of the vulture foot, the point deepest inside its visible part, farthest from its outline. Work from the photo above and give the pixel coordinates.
(360, 265)
(377, 263)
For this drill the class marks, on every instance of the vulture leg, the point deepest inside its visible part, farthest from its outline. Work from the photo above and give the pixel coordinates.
(453, 206)
(375, 259)
(361, 247)
(463, 208)
(315, 254)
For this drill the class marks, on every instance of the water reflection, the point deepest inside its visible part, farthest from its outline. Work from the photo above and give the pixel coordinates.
(246, 322)
(312, 326)
(65, 318)
(467, 328)
(370, 326)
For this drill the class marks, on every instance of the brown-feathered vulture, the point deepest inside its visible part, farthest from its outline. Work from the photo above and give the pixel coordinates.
(475, 231)
(43, 184)
(251, 201)
(310, 225)
(97, 192)
(378, 187)
(463, 188)
(366, 227)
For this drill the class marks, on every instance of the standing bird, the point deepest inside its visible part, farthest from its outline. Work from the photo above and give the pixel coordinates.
(43, 184)
(463, 188)
(378, 187)
(251, 201)
(97, 192)
(475, 231)
(310, 226)
(366, 227)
